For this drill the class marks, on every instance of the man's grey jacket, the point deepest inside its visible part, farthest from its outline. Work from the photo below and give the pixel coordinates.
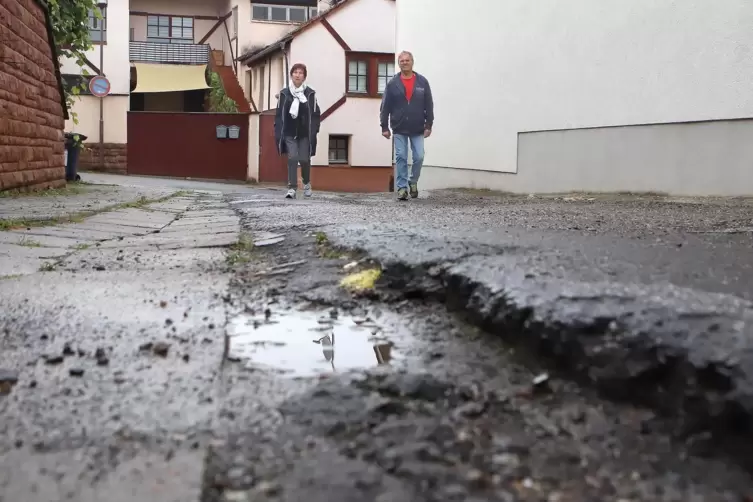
(405, 117)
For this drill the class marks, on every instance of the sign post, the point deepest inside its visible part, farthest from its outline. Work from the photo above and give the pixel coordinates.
(99, 86)
(102, 84)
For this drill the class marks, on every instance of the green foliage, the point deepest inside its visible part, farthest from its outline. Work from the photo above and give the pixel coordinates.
(70, 29)
(219, 102)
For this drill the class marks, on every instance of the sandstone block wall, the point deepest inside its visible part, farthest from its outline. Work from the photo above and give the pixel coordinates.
(115, 158)
(31, 113)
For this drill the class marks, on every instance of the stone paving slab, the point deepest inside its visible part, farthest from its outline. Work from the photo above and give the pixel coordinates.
(18, 236)
(131, 221)
(99, 234)
(208, 214)
(203, 229)
(30, 252)
(91, 198)
(169, 208)
(110, 228)
(142, 259)
(190, 222)
(20, 260)
(18, 265)
(139, 214)
(178, 242)
(71, 233)
(130, 225)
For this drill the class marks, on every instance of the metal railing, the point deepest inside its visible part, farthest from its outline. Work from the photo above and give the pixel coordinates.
(156, 52)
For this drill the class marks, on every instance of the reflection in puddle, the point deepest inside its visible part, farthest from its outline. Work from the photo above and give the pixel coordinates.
(306, 343)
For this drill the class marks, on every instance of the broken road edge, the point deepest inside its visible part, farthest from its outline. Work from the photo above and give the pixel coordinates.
(624, 346)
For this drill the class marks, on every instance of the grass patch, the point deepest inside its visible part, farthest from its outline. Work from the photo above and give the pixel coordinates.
(321, 238)
(70, 189)
(12, 276)
(242, 251)
(29, 243)
(81, 247)
(140, 203)
(48, 266)
(325, 248)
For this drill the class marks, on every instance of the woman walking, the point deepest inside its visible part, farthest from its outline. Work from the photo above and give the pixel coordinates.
(296, 125)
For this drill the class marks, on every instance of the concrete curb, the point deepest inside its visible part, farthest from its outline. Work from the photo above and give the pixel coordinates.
(686, 354)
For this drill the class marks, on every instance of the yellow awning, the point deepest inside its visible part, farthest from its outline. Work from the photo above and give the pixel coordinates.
(169, 77)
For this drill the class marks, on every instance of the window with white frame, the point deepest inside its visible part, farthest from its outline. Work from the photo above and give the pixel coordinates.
(357, 77)
(169, 29)
(280, 13)
(313, 12)
(98, 25)
(385, 71)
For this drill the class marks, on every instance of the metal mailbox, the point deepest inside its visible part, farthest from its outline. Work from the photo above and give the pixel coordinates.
(221, 132)
(234, 132)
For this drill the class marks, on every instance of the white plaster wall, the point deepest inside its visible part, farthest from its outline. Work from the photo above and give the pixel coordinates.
(325, 60)
(551, 64)
(351, 23)
(274, 81)
(253, 147)
(264, 33)
(116, 66)
(359, 118)
(115, 117)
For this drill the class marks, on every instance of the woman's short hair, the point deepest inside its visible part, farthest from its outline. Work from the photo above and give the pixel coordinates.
(299, 66)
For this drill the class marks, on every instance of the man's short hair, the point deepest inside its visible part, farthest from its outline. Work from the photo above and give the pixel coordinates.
(406, 52)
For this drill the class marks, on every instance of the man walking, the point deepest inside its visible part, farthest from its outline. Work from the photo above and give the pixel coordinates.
(408, 104)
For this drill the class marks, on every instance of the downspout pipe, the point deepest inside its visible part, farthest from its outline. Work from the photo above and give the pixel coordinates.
(287, 63)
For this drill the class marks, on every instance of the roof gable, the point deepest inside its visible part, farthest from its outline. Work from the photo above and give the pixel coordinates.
(253, 56)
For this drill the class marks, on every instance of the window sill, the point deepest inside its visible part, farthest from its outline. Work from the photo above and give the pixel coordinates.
(293, 23)
(363, 95)
(336, 166)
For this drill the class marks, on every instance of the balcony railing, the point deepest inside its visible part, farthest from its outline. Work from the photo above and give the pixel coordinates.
(155, 52)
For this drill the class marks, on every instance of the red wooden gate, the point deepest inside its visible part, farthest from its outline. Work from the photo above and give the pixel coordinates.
(186, 145)
(272, 167)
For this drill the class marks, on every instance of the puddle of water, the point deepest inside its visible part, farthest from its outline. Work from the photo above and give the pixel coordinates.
(303, 343)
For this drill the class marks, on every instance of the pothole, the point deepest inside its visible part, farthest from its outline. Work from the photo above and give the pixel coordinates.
(302, 343)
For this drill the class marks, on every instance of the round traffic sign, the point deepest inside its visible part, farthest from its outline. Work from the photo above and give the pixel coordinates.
(99, 86)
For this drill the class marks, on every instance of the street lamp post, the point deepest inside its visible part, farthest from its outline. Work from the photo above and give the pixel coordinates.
(102, 5)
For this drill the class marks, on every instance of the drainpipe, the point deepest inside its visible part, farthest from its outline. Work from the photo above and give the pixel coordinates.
(269, 82)
(287, 64)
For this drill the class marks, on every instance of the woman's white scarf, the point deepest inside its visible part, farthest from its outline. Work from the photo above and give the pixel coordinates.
(298, 97)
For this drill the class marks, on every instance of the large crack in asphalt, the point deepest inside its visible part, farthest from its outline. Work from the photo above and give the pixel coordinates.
(686, 354)
(464, 417)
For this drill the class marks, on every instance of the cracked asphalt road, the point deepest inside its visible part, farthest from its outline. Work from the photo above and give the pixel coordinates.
(583, 286)
(133, 370)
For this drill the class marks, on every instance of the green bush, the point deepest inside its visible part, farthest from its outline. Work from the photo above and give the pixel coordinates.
(219, 102)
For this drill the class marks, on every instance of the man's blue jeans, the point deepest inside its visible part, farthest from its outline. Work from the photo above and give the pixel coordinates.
(401, 159)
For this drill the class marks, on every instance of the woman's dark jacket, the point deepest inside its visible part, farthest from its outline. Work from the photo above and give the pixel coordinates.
(285, 125)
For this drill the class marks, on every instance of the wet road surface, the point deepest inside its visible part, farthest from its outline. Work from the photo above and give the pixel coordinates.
(246, 372)
(578, 446)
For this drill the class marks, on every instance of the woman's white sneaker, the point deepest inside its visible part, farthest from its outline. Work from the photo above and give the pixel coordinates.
(307, 190)
(290, 194)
